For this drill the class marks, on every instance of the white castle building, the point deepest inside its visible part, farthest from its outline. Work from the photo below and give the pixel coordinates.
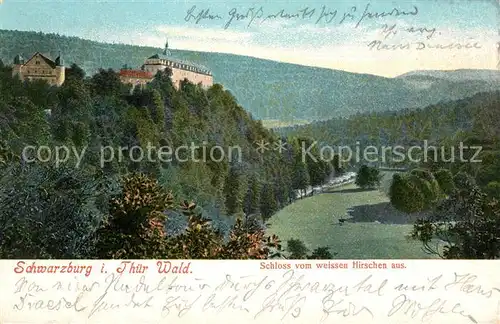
(195, 73)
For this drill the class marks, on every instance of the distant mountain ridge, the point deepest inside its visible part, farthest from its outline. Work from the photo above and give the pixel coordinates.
(269, 89)
(457, 75)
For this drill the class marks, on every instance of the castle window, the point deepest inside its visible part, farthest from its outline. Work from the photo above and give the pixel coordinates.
(37, 62)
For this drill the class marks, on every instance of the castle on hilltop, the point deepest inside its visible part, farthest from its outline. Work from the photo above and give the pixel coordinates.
(40, 67)
(181, 70)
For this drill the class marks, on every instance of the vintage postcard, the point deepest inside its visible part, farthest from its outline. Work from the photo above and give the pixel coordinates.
(361, 137)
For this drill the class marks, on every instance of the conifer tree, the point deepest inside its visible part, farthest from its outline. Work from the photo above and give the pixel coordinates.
(159, 110)
(252, 198)
(235, 189)
(299, 169)
(268, 203)
(75, 72)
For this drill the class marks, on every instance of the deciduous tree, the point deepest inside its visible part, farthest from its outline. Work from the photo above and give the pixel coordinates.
(368, 177)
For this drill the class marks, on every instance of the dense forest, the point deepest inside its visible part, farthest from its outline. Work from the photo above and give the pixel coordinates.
(453, 181)
(433, 123)
(269, 89)
(128, 207)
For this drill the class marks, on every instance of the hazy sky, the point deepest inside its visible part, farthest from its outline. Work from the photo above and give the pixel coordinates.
(310, 40)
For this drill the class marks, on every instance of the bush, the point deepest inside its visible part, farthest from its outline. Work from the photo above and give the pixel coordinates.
(493, 189)
(321, 253)
(445, 180)
(429, 189)
(368, 177)
(405, 195)
(467, 223)
(463, 180)
(415, 191)
(422, 174)
(297, 249)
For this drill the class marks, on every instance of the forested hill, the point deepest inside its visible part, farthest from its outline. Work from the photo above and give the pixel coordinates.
(435, 123)
(267, 89)
(197, 144)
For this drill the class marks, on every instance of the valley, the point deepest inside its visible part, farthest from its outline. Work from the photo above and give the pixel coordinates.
(373, 229)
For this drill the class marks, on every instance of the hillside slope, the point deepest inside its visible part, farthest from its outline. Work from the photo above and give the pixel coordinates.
(268, 89)
(457, 75)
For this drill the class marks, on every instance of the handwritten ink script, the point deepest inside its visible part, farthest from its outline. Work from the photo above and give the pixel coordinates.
(404, 35)
(393, 37)
(323, 14)
(179, 291)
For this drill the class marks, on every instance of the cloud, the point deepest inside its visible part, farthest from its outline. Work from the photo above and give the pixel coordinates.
(203, 34)
(275, 25)
(338, 47)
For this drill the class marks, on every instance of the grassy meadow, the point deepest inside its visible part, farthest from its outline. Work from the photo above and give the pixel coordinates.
(277, 123)
(373, 229)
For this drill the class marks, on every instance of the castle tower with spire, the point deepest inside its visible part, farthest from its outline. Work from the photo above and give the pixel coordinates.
(181, 70)
(166, 51)
(59, 60)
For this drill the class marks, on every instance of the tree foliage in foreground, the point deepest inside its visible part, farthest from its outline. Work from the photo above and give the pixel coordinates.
(297, 251)
(48, 212)
(135, 229)
(466, 225)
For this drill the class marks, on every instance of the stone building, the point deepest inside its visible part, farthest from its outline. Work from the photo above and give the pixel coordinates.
(195, 73)
(135, 77)
(40, 67)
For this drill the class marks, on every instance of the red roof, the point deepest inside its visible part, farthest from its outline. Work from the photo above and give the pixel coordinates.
(137, 74)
